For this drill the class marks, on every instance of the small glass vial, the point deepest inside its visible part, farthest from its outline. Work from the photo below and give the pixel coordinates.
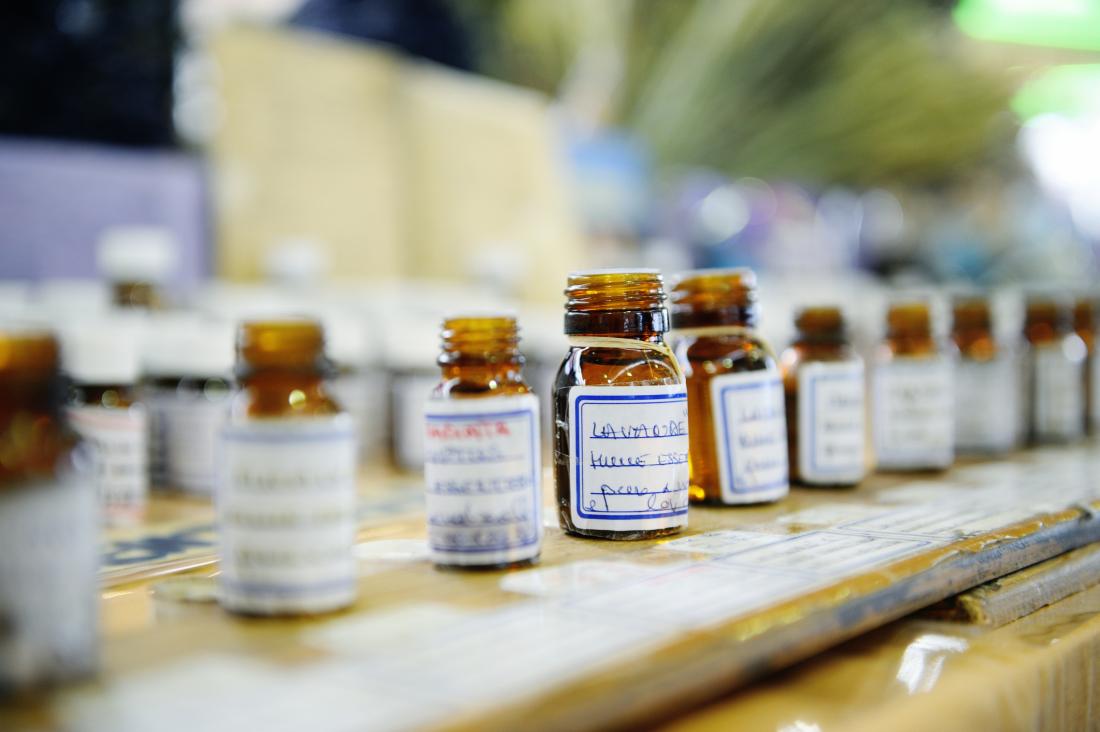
(287, 484)
(1056, 372)
(1084, 324)
(826, 415)
(987, 388)
(482, 450)
(620, 411)
(49, 543)
(102, 360)
(735, 393)
(912, 398)
(186, 389)
(137, 261)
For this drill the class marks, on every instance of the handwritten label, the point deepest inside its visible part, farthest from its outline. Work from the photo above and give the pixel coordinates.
(482, 470)
(914, 422)
(750, 433)
(48, 586)
(628, 460)
(831, 427)
(286, 515)
(184, 428)
(118, 444)
(1059, 395)
(986, 405)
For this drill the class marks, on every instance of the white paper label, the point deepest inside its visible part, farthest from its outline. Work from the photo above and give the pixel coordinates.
(482, 470)
(48, 587)
(1059, 395)
(914, 421)
(628, 457)
(286, 515)
(184, 428)
(986, 405)
(118, 444)
(750, 435)
(831, 429)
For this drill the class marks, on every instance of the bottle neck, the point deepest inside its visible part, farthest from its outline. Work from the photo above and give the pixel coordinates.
(110, 396)
(646, 325)
(34, 437)
(272, 393)
(136, 294)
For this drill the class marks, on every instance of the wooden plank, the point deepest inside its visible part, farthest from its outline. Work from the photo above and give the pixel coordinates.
(601, 634)
(1013, 596)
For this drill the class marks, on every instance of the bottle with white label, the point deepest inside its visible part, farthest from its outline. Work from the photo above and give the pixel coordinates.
(186, 389)
(736, 414)
(987, 408)
(826, 416)
(912, 395)
(358, 381)
(48, 525)
(1056, 358)
(287, 479)
(482, 461)
(137, 261)
(1084, 324)
(620, 411)
(103, 359)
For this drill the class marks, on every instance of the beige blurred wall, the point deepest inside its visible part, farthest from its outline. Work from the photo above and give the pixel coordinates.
(400, 169)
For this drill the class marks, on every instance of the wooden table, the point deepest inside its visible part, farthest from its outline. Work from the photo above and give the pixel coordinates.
(620, 635)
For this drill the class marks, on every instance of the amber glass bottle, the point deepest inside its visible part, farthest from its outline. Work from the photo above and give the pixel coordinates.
(1055, 371)
(482, 458)
(1084, 324)
(286, 496)
(735, 395)
(986, 381)
(620, 411)
(48, 524)
(912, 399)
(824, 385)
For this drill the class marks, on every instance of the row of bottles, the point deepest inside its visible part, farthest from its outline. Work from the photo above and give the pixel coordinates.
(642, 429)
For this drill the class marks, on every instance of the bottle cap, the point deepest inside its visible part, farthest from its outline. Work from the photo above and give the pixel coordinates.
(137, 254)
(188, 346)
(296, 262)
(103, 351)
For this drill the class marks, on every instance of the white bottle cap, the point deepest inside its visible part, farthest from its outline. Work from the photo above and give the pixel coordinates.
(346, 341)
(296, 262)
(188, 346)
(137, 254)
(102, 351)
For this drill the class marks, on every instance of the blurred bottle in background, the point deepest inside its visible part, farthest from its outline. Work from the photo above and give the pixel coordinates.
(912, 396)
(1055, 368)
(48, 524)
(823, 379)
(103, 360)
(137, 261)
(186, 387)
(987, 376)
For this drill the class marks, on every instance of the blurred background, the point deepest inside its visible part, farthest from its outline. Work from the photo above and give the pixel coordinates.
(383, 161)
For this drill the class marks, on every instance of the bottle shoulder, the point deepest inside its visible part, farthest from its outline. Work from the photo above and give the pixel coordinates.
(612, 366)
(458, 388)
